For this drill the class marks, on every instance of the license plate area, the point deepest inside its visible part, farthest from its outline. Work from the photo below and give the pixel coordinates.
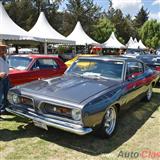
(40, 125)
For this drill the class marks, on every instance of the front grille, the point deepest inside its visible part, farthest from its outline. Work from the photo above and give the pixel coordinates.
(52, 109)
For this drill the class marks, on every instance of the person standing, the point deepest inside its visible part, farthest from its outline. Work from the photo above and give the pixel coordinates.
(4, 81)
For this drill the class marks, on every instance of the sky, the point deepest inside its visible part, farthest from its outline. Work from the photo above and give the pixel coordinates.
(131, 6)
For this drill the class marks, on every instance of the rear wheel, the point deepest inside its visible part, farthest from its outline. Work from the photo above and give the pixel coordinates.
(109, 123)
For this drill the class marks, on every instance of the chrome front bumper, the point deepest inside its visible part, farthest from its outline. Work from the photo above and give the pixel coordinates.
(66, 126)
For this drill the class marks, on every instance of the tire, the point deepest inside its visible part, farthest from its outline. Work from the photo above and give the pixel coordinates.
(149, 93)
(109, 123)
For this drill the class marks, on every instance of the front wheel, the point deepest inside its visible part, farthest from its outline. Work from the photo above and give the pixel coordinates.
(109, 123)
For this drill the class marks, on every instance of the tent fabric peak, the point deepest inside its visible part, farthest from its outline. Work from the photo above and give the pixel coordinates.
(79, 35)
(112, 42)
(44, 31)
(9, 30)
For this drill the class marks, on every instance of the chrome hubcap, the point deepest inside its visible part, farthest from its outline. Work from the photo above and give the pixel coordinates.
(110, 120)
(149, 93)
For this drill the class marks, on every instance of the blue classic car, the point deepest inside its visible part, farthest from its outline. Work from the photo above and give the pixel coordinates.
(88, 97)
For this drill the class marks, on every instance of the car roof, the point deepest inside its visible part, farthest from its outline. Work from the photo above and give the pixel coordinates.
(35, 56)
(117, 58)
(149, 56)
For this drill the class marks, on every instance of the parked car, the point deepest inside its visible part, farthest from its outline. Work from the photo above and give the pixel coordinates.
(153, 61)
(158, 52)
(66, 56)
(70, 62)
(134, 53)
(27, 68)
(25, 51)
(86, 98)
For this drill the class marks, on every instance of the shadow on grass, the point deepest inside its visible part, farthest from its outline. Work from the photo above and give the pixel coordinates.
(129, 122)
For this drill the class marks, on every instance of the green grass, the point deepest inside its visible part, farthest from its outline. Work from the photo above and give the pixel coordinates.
(138, 129)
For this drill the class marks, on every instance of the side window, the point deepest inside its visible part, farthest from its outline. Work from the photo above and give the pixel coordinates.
(134, 69)
(45, 64)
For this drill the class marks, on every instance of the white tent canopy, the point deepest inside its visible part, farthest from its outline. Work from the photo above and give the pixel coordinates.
(44, 31)
(130, 42)
(112, 42)
(9, 30)
(135, 40)
(137, 45)
(80, 36)
(133, 44)
(141, 45)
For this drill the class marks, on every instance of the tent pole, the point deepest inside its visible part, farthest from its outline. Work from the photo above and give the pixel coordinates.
(45, 48)
(75, 51)
(16, 49)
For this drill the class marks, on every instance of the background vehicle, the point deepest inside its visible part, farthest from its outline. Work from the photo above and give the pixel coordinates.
(66, 56)
(70, 62)
(27, 68)
(158, 52)
(133, 53)
(152, 61)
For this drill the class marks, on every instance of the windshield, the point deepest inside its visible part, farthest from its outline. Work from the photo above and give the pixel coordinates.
(20, 63)
(107, 69)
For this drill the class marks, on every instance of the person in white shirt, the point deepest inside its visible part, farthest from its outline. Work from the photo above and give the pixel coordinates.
(4, 81)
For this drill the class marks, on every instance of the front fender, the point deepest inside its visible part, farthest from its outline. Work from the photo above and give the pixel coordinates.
(93, 112)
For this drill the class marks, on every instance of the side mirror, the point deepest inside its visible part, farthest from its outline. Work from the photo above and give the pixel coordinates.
(36, 68)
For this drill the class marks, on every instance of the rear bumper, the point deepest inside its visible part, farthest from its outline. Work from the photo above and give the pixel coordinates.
(66, 126)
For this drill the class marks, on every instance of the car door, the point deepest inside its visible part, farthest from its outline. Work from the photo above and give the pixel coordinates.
(134, 81)
(46, 68)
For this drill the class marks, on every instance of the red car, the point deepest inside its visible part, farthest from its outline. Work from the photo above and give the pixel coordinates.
(27, 68)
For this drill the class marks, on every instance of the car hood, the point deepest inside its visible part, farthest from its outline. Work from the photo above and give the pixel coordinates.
(68, 88)
(14, 71)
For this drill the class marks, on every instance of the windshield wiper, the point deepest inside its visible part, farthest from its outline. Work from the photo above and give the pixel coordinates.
(93, 75)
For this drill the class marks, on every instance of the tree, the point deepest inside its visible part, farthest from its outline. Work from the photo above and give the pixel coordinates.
(103, 29)
(141, 17)
(46, 5)
(123, 24)
(22, 13)
(150, 33)
(25, 12)
(84, 11)
(128, 29)
(117, 18)
(111, 10)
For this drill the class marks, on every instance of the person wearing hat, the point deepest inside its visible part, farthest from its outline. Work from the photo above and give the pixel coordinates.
(4, 81)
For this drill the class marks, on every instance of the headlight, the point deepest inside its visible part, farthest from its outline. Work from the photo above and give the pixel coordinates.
(76, 114)
(15, 99)
(9, 97)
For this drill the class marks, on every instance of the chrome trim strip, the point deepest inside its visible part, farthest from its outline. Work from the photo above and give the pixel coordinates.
(66, 126)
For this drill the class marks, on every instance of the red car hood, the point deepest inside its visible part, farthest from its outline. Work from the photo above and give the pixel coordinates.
(14, 71)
